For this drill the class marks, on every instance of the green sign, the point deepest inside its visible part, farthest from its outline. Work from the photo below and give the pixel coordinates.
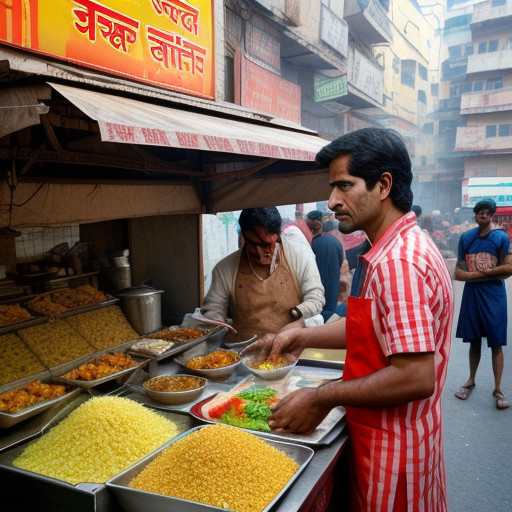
(327, 88)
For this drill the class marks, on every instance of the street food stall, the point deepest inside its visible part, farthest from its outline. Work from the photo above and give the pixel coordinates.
(132, 167)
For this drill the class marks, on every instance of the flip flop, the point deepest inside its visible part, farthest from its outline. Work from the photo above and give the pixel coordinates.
(464, 392)
(501, 401)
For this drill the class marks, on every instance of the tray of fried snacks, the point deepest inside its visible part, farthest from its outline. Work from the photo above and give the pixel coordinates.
(98, 369)
(69, 301)
(25, 400)
(15, 316)
(201, 470)
(184, 338)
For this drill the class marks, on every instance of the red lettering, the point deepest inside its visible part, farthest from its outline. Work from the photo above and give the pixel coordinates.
(187, 140)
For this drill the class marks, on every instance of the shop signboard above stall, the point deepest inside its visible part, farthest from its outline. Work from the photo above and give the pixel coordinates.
(167, 43)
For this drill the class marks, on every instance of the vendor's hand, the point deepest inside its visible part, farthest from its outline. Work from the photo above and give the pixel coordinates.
(298, 412)
(287, 341)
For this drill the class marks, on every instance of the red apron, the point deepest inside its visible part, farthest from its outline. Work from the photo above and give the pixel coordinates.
(373, 488)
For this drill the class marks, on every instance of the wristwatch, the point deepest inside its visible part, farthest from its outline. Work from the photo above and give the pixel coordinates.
(295, 313)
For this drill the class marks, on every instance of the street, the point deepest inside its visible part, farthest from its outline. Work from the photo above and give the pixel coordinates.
(478, 436)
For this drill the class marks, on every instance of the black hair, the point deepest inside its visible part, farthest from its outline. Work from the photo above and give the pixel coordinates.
(416, 208)
(267, 218)
(374, 151)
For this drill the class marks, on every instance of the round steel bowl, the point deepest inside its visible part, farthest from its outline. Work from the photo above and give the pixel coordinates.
(175, 397)
(250, 360)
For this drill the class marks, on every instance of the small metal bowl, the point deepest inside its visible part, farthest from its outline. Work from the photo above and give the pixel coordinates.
(175, 397)
(250, 360)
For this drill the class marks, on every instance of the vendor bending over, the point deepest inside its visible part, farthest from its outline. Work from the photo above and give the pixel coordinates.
(269, 283)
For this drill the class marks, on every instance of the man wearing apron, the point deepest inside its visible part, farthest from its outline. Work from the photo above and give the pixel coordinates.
(269, 283)
(397, 334)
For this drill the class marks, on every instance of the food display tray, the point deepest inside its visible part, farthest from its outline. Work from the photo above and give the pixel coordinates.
(300, 377)
(48, 494)
(8, 419)
(57, 372)
(213, 336)
(134, 500)
(38, 318)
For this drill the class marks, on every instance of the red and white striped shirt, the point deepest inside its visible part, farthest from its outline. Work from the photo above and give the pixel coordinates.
(412, 305)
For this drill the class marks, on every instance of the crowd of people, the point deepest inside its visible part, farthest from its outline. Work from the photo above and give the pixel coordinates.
(387, 299)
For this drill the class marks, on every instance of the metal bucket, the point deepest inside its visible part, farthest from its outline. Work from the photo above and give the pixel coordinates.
(142, 306)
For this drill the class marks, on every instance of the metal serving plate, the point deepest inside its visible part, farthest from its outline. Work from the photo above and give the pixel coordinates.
(141, 362)
(35, 320)
(213, 336)
(300, 377)
(8, 419)
(133, 500)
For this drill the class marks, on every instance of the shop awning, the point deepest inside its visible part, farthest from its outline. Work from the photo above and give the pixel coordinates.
(130, 121)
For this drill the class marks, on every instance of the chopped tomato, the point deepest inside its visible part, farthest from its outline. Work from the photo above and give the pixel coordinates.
(236, 403)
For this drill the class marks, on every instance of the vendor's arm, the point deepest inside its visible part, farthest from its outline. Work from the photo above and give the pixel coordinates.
(408, 377)
(295, 340)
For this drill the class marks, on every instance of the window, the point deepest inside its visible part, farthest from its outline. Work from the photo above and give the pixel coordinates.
(482, 47)
(494, 83)
(505, 130)
(408, 72)
(498, 3)
(455, 90)
(493, 46)
(454, 52)
(422, 97)
(434, 89)
(422, 72)
(467, 87)
(478, 86)
(468, 50)
(490, 131)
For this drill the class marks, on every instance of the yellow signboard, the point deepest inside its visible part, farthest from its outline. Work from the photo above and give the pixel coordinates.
(167, 43)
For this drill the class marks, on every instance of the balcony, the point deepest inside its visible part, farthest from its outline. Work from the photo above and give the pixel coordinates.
(369, 24)
(498, 100)
(451, 69)
(493, 61)
(486, 16)
(473, 138)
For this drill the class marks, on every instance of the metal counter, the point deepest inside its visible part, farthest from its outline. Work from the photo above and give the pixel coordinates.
(29, 492)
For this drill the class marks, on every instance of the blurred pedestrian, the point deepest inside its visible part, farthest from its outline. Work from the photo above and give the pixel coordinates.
(484, 260)
(329, 258)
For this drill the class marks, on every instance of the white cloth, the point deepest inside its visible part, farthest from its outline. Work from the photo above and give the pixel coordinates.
(301, 259)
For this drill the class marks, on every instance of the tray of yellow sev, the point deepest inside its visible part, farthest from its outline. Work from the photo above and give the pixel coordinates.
(211, 467)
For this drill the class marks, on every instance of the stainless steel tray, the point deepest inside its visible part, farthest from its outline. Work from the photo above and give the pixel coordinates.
(133, 500)
(9, 419)
(35, 320)
(213, 336)
(141, 362)
(300, 377)
(85, 309)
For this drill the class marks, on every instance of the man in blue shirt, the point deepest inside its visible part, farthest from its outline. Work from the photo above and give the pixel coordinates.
(484, 260)
(329, 258)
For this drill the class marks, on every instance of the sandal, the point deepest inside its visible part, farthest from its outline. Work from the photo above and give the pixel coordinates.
(464, 392)
(501, 401)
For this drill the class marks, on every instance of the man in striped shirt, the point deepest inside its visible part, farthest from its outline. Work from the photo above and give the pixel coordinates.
(397, 334)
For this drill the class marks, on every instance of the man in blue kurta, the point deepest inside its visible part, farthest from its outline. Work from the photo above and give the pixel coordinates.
(484, 260)
(329, 258)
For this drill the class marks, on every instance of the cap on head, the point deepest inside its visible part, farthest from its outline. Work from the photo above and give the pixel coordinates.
(314, 215)
(487, 204)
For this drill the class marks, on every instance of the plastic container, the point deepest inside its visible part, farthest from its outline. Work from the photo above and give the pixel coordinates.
(142, 305)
